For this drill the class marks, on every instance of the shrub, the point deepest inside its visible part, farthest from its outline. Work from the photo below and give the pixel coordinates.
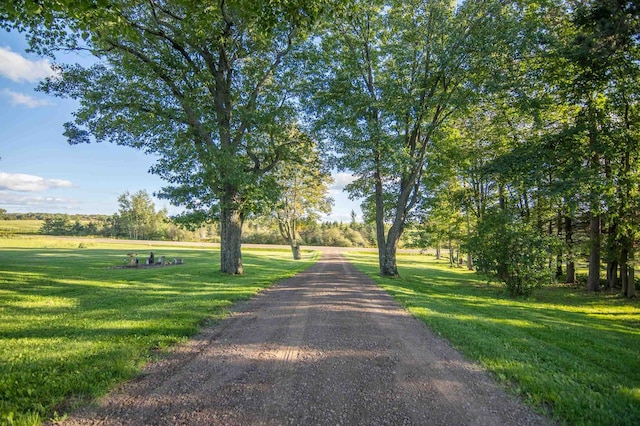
(514, 251)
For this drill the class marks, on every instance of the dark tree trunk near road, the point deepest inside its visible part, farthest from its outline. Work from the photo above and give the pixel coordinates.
(295, 250)
(388, 244)
(387, 253)
(231, 241)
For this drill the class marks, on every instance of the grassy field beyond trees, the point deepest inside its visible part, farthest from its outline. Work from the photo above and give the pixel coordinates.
(71, 327)
(574, 353)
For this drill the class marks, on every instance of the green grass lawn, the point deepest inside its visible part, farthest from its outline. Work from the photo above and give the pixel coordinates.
(566, 351)
(71, 327)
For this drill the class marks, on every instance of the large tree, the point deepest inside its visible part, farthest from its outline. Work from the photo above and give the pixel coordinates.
(394, 72)
(201, 85)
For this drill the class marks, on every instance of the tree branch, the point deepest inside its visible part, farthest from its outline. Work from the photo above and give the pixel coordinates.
(251, 103)
(192, 117)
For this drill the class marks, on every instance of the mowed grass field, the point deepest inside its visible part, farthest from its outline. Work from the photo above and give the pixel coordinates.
(71, 327)
(573, 354)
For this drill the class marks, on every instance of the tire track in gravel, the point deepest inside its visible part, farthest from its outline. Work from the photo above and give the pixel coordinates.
(327, 347)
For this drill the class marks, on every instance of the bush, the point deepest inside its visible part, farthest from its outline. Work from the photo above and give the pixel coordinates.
(515, 251)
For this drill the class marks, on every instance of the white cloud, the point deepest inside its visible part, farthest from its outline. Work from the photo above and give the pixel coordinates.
(25, 100)
(18, 68)
(29, 203)
(340, 180)
(30, 183)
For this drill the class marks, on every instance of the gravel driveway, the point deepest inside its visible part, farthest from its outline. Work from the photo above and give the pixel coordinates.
(326, 347)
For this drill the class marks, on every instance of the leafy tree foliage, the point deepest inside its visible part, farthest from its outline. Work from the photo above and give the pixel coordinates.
(202, 86)
(303, 194)
(58, 225)
(558, 136)
(138, 217)
(514, 250)
(595, 67)
(389, 74)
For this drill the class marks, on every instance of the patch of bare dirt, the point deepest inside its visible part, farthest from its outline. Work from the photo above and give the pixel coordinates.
(326, 347)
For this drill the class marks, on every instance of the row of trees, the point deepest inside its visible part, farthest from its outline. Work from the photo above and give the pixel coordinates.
(542, 171)
(64, 225)
(293, 220)
(5, 215)
(498, 124)
(136, 219)
(312, 233)
(258, 231)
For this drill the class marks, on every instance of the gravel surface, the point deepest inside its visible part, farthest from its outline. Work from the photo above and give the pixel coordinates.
(326, 347)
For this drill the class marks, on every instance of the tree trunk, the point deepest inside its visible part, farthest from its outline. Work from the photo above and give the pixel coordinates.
(380, 237)
(571, 273)
(295, 249)
(559, 272)
(568, 238)
(230, 240)
(388, 265)
(501, 198)
(593, 282)
(624, 273)
(627, 271)
(451, 256)
(612, 254)
(631, 285)
(469, 255)
(387, 253)
(612, 274)
(387, 247)
(288, 232)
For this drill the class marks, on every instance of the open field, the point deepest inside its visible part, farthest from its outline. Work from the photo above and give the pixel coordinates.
(573, 353)
(71, 327)
(9, 227)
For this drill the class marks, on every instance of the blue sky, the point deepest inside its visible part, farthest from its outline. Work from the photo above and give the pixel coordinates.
(41, 172)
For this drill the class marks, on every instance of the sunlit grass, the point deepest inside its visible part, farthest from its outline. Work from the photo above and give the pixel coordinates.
(71, 327)
(566, 351)
(23, 226)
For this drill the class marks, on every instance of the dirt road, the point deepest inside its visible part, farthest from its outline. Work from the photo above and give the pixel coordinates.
(324, 348)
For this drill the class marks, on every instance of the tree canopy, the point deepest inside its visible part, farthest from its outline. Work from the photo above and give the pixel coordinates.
(202, 86)
(388, 75)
